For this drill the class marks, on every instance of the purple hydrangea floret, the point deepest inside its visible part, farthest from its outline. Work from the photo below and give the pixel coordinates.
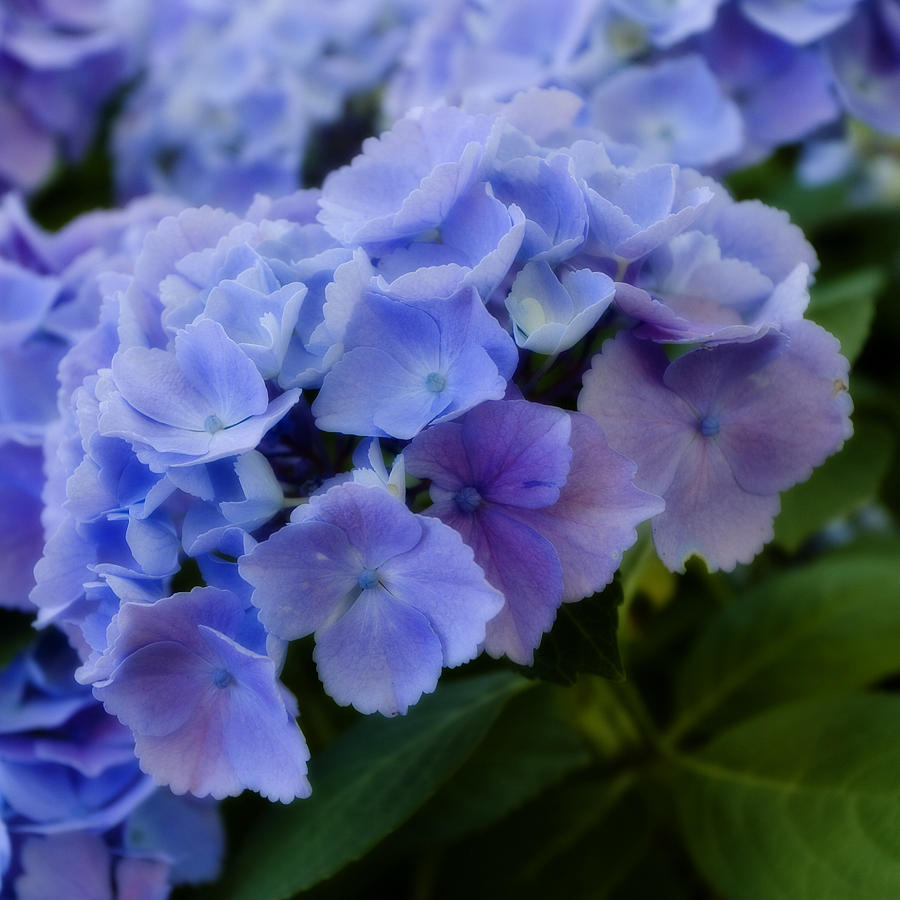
(411, 362)
(407, 180)
(78, 865)
(677, 112)
(543, 501)
(720, 432)
(390, 596)
(799, 21)
(865, 58)
(233, 93)
(70, 788)
(233, 727)
(59, 64)
(201, 402)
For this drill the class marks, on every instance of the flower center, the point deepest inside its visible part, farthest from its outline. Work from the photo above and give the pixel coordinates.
(222, 678)
(368, 578)
(435, 382)
(709, 426)
(213, 424)
(468, 499)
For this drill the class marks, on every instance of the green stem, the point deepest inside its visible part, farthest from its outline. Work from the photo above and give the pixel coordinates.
(535, 379)
(614, 720)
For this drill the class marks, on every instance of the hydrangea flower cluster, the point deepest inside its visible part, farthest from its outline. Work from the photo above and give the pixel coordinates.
(227, 99)
(329, 408)
(50, 298)
(76, 812)
(701, 82)
(232, 92)
(59, 63)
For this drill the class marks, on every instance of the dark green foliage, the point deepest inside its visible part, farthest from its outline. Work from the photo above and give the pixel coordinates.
(16, 634)
(845, 483)
(532, 745)
(583, 639)
(801, 803)
(365, 784)
(846, 306)
(822, 628)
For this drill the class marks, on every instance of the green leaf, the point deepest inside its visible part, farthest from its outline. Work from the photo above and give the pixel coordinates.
(583, 639)
(576, 841)
(662, 870)
(641, 571)
(659, 633)
(822, 628)
(802, 803)
(846, 307)
(775, 183)
(588, 863)
(16, 633)
(366, 784)
(532, 745)
(845, 483)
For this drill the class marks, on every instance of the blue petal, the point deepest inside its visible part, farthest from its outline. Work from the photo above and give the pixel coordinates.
(380, 656)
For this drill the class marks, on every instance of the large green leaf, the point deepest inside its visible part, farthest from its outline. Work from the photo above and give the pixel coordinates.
(533, 744)
(846, 482)
(846, 307)
(365, 785)
(821, 628)
(802, 803)
(583, 639)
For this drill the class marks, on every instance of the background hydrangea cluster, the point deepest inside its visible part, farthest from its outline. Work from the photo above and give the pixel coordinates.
(390, 453)
(215, 102)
